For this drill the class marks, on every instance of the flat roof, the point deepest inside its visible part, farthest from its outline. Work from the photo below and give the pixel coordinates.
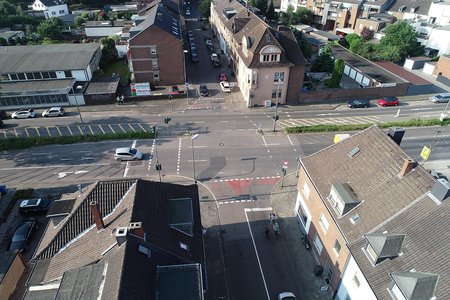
(365, 66)
(37, 58)
(37, 85)
(103, 85)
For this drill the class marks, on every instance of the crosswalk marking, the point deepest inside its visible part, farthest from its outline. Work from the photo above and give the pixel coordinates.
(329, 121)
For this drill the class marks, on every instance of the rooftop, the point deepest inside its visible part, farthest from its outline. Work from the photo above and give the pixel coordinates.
(38, 85)
(38, 58)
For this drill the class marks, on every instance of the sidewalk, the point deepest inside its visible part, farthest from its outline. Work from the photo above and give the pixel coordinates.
(283, 202)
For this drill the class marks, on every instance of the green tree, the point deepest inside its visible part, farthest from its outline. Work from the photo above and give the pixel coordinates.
(323, 63)
(270, 14)
(109, 51)
(78, 22)
(285, 17)
(403, 37)
(3, 41)
(352, 38)
(50, 28)
(205, 8)
(336, 77)
(259, 4)
(6, 9)
(19, 10)
(303, 15)
(387, 52)
(301, 42)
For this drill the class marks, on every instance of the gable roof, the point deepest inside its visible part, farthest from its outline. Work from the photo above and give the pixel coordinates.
(242, 23)
(416, 285)
(372, 173)
(386, 245)
(422, 6)
(129, 267)
(49, 3)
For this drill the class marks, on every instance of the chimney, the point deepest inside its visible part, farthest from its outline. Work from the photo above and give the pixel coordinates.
(121, 235)
(408, 165)
(97, 215)
(137, 229)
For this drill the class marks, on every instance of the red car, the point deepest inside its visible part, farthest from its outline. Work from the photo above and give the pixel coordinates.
(388, 101)
(223, 77)
(174, 90)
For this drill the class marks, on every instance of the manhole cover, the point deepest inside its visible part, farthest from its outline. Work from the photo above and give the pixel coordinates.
(221, 144)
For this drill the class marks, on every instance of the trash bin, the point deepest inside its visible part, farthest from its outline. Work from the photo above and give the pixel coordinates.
(318, 270)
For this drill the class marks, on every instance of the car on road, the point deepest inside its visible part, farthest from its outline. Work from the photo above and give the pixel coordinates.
(204, 92)
(22, 234)
(174, 90)
(286, 296)
(358, 103)
(194, 57)
(208, 42)
(216, 63)
(388, 101)
(128, 153)
(214, 56)
(188, 12)
(225, 86)
(34, 206)
(23, 114)
(440, 98)
(223, 77)
(53, 112)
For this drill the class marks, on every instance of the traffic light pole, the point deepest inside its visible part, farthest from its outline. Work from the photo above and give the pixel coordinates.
(158, 165)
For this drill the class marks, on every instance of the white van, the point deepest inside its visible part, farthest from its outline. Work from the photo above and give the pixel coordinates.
(440, 98)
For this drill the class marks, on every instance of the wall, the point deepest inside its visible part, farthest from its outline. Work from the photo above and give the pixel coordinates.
(295, 82)
(443, 67)
(54, 11)
(349, 285)
(441, 12)
(12, 277)
(439, 40)
(339, 94)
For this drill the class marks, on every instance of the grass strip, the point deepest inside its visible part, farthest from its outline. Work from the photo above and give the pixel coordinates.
(356, 127)
(25, 143)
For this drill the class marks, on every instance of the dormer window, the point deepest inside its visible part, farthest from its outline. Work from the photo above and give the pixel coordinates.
(270, 53)
(381, 246)
(343, 198)
(412, 285)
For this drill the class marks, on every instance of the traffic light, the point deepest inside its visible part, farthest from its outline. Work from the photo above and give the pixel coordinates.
(276, 118)
(167, 120)
(158, 167)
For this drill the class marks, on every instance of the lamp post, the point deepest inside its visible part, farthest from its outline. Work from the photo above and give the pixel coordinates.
(276, 106)
(83, 132)
(185, 77)
(158, 165)
(193, 155)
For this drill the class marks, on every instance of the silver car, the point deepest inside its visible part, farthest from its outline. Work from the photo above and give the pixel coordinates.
(53, 112)
(440, 98)
(23, 114)
(127, 153)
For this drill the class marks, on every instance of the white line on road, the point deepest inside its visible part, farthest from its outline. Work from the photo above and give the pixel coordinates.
(42, 153)
(53, 166)
(256, 251)
(328, 114)
(127, 168)
(423, 108)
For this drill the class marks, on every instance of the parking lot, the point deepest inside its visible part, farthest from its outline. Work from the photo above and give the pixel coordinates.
(74, 129)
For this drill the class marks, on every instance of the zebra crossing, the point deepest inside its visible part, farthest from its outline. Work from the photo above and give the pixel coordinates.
(329, 121)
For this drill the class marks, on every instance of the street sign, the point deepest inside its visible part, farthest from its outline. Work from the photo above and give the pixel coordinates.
(285, 162)
(425, 152)
(284, 167)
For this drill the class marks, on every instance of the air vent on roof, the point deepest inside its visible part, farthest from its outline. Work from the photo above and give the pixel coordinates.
(121, 235)
(441, 190)
(353, 152)
(354, 219)
(396, 134)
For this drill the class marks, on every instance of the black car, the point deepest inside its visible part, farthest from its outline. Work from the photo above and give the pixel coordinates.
(37, 205)
(216, 63)
(358, 103)
(194, 57)
(204, 90)
(22, 234)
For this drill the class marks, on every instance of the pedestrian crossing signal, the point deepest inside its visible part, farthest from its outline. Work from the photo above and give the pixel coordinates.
(158, 167)
(167, 120)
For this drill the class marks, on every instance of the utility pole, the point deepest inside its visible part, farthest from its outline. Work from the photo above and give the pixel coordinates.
(275, 118)
(157, 165)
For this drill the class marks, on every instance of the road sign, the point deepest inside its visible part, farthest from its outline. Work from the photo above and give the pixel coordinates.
(425, 152)
(285, 162)
(284, 167)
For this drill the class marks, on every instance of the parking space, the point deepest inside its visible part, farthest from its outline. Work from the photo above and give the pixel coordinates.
(69, 130)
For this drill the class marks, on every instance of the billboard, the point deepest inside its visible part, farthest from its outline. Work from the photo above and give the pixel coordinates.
(140, 89)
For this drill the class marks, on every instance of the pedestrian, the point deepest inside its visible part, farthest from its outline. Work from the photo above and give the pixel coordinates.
(273, 218)
(121, 99)
(276, 228)
(118, 100)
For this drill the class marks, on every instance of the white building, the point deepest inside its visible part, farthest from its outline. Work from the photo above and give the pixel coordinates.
(294, 3)
(96, 29)
(51, 8)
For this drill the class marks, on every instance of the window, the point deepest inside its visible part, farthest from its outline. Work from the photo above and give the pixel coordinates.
(266, 57)
(30, 76)
(153, 51)
(270, 57)
(144, 250)
(278, 76)
(53, 13)
(355, 281)
(306, 190)
(184, 246)
(324, 223)
(276, 93)
(61, 11)
(52, 74)
(395, 292)
(45, 75)
(4, 77)
(68, 74)
(318, 244)
(337, 247)
(37, 75)
(21, 76)
(371, 253)
(154, 64)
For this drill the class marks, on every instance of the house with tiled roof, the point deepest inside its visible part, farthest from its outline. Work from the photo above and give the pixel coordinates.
(268, 63)
(332, 15)
(155, 45)
(122, 239)
(347, 194)
(51, 8)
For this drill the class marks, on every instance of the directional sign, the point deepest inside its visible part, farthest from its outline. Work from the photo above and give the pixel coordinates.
(285, 162)
(425, 152)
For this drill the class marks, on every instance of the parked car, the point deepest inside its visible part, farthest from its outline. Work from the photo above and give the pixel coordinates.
(208, 42)
(388, 101)
(286, 296)
(194, 57)
(188, 12)
(203, 90)
(358, 103)
(23, 114)
(174, 90)
(223, 77)
(53, 112)
(127, 153)
(214, 56)
(216, 63)
(225, 87)
(440, 98)
(35, 206)
(22, 234)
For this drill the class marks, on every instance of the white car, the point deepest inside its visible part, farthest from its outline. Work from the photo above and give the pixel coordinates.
(286, 296)
(53, 112)
(127, 153)
(225, 87)
(23, 114)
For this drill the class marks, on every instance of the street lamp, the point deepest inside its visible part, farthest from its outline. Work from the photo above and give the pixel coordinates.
(185, 76)
(193, 155)
(276, 106)
(83, 132)
(158, 165)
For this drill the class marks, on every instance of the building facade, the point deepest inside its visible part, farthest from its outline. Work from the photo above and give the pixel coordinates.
(267, 62)
(51, 8)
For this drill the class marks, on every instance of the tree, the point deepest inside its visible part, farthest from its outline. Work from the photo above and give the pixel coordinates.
(3, 42)
(351, 39)
(270, 14)
(205, 8)
(323, 63)
(403, 37)
(109, 51)
(367, 34)
(387, 52)
(304, 16)
(285, 17)
(50, 28)
(6, 9)
(259, 4)
(19, 10)
(338, 70)
(78, 22)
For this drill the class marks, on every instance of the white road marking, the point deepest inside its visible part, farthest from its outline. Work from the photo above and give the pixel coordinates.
(81, 172)
(328, 114)
(423, 108)
(179, 157)
(127, 167)
(42, 153)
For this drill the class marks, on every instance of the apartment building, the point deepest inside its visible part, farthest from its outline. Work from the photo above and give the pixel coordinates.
(51, 8)
(268, 63)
